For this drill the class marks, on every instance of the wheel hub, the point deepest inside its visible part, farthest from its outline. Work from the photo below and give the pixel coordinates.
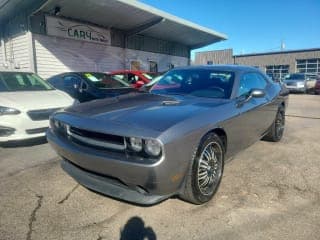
(208, 170)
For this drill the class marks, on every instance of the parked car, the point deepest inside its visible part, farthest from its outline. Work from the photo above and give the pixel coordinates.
(87, 86)
(135, 78)
(26, 101)
(300, 82)
(317, 86)
(146, 147)
(149, 85)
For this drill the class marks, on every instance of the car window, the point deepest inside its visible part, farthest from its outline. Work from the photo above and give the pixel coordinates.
(56, 82)
(132, 78)
(250, 81)
(103, 80)
(17, 81)
(148, 76)
(123, 77)
(71, 81)
(207, 83)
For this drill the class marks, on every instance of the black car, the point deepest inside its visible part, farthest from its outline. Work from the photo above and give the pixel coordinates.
(87, 86)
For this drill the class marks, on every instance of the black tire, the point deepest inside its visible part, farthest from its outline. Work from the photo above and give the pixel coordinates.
(200, 172)
(277, 128)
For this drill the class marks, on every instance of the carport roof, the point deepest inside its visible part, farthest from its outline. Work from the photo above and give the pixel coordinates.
(135, 17)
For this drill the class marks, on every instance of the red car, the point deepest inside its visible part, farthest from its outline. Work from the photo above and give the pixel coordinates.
(135, 78)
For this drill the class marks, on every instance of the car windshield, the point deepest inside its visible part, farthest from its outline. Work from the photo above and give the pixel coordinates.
(201, 83)
(103, 80)
(18, 81)
(294, 77)
(148, 76)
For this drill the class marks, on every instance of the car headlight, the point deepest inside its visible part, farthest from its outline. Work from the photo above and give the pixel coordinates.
(8, 111)
(152, 147)
(136, 144)
(57, 125)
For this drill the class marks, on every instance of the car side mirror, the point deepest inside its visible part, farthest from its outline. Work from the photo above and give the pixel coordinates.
(254, 93)
(257, 93)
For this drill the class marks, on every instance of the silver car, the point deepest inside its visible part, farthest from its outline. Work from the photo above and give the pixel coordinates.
(174, 141)
(300, 82)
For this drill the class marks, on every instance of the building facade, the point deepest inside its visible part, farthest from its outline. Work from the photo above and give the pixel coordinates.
(51, 37)
(276, 64)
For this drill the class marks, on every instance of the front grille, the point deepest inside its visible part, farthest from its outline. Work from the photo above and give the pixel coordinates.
(43, 114)
(36, 130)
(96, 139)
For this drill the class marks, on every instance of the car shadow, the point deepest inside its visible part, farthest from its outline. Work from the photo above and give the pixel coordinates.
(24, 143)
(135, 229)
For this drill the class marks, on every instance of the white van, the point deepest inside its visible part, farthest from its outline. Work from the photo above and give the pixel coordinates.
(26, 102)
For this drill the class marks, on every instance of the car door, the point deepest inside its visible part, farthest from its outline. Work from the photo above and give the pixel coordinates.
(71, 85)
(254, 117)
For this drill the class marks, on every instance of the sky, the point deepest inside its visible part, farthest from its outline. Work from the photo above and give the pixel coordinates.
(252, 26)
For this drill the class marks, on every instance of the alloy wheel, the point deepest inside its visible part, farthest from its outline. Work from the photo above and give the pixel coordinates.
(210, 168)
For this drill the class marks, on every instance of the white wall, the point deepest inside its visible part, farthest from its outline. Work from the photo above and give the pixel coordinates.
(163, 60)
(56, 55)
(17, 52)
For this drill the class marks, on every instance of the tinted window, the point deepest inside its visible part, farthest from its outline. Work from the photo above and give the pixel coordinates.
(56, 82)
(197, 82)
(16, 81)
(297, 76)
(71, 81)
(250, 81)
(102, 80)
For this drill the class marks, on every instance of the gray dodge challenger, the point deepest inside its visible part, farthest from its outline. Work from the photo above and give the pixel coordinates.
(144, 147)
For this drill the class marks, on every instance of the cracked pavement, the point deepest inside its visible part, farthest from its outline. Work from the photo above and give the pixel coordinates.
(268, 191)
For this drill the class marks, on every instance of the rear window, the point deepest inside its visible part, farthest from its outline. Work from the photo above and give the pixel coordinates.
(102, 80)
(17, 81)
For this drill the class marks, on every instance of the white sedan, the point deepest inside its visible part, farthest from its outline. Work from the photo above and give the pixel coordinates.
(26, 102)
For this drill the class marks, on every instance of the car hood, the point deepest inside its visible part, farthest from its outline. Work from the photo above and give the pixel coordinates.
(33, 100)
(107, 92)
(144, 110)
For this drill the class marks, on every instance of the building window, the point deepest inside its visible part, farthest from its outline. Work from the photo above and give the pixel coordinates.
(153, 66)
(308, 65)
(135, 65)
(277, 71)
(209, 62)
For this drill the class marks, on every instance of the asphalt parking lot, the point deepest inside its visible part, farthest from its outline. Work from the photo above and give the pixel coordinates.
(269, 191)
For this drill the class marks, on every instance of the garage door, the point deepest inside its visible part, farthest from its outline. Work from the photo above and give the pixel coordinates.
(56, 55)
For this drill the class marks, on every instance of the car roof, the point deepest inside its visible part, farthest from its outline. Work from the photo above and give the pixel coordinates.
(222, 67)
(78, 73)
(128, 71)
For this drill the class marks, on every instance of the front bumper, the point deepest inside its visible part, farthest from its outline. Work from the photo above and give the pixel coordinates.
(109, 173)
(296, 89)
(23, 128)
(109, 186)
